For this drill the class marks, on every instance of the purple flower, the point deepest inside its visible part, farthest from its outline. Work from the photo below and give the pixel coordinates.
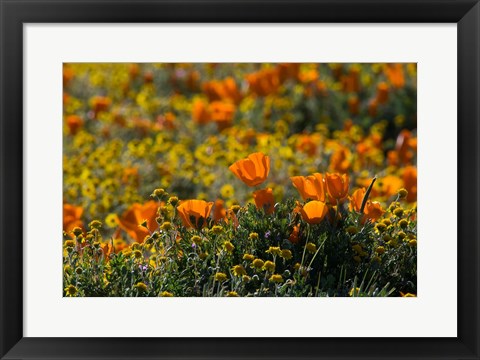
(143, 267)
(267, 234)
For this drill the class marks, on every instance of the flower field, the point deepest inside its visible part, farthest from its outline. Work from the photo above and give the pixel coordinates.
(234, 180)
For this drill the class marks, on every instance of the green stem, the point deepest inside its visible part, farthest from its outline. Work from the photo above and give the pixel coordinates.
(367, 194)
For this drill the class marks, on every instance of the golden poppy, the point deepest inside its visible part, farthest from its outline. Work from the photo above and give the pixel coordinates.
(200, 112)
(100, 103)
(356, 200)
(264, 200)
(314, 211)
(253, 170)
(222, 113)
(135, 215)
(310, 187)
(194, 213)
(340, 160)
(295, 234)
(373, 211)
(219, 211)
(307, 144)
(382, 93)
(410, 182)
(74, 123)
(72, 217)
(354, 105)
(337, 186)
(395, 75)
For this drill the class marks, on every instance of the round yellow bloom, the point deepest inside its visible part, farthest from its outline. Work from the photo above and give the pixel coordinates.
(140, 286)
(173, 200)
(286, 254)
(403, 223)
(166, 294)
(412, 243)
(380, 250)
(269, 266)
(248, 257)
(232, 294)
(228, 246)
(111, 220)
(402, 193)
(77, 231)
(276, 278)
(158, 192)
(217, 229)
(197, 240)
(398, 212)
(167, 225)
(258, 263)
(239, 270)
(311, 247)
(71, 290)
(227, 191)
(358, 248)
(253, 236)
(95, 224)
(274, 250)
(220, 277)
(69, 243)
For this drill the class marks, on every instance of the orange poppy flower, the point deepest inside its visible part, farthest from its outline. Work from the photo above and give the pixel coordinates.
(356, 200)
(194, 213)
(74, 123)
(288, 71)
(72, 217)
(405, 146)
(310, 187)
(314, 211)
(382, 93)
(410, 182)
(264, 82)
(253, 170)
(373, 211)
(340, 160)
(100, 103)
(264, 200)
(200, 112)
(354, 105)
(337, 185)
(351, 82)
(132, 218)
(219, 211)
(295, 234)
(395, 75)
(222, 113)
(373, 107)
(387, 186)
(307, 144)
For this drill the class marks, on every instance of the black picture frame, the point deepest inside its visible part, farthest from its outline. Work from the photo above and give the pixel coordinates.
(15, 13)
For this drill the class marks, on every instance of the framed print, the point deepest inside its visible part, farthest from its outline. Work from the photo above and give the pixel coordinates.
(239, 179)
